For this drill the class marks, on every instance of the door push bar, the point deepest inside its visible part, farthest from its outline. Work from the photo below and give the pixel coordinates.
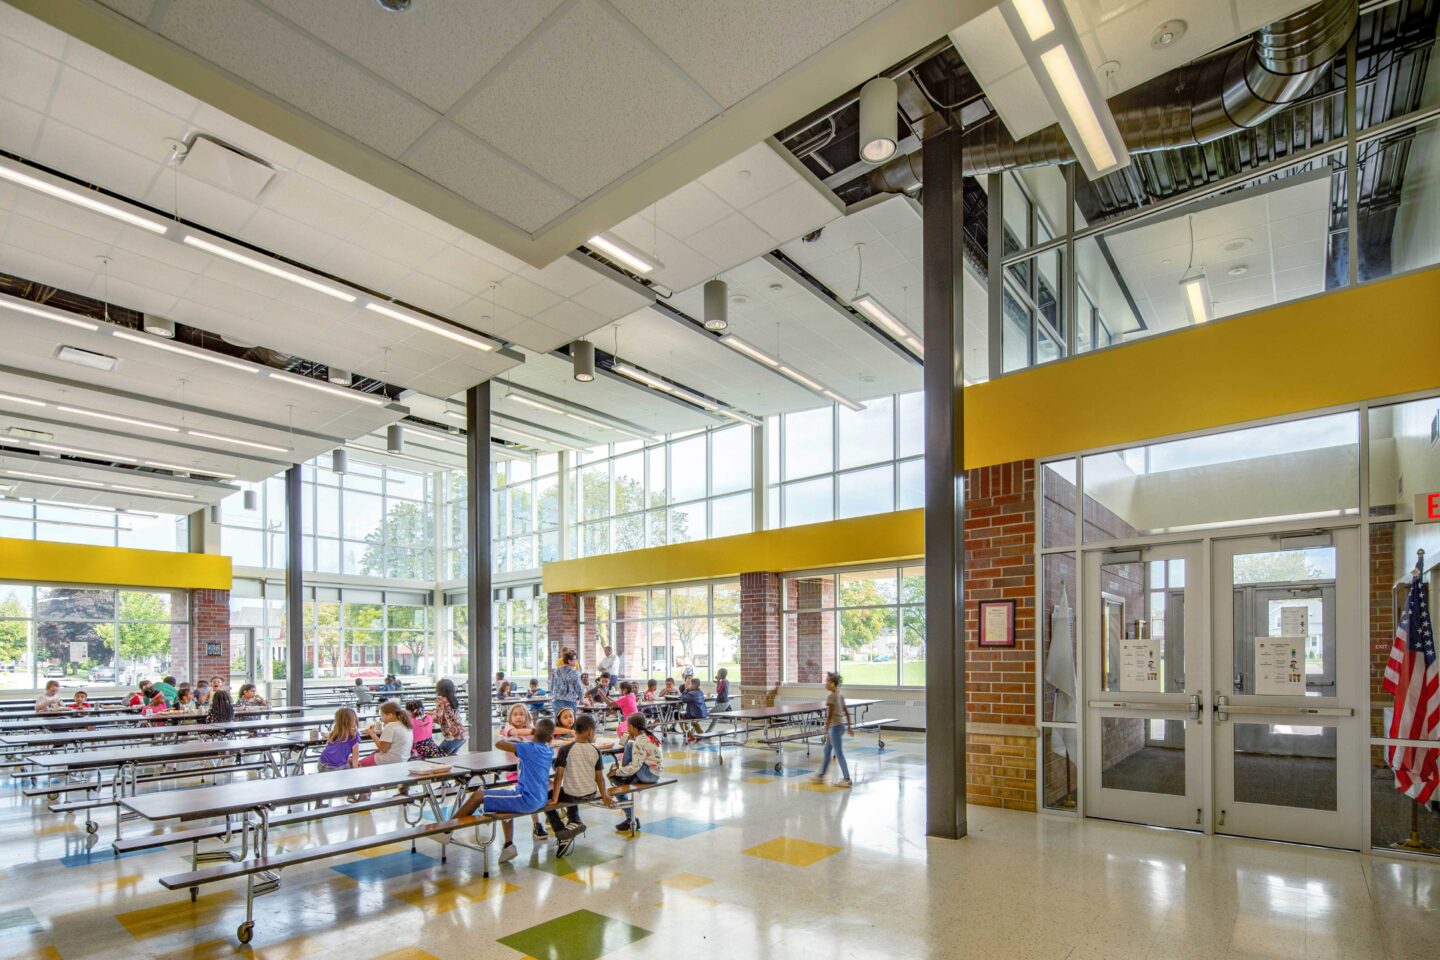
(1223, 709)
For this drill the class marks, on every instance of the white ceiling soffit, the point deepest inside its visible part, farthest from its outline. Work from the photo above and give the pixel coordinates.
(444, 106)
(1112, 32)
(893, 275)
(77, 110)
(70, 482)
(1258, 247)
(745, 207)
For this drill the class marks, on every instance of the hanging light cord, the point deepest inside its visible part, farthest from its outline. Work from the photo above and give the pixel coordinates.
(1190, 220)
(859, 267)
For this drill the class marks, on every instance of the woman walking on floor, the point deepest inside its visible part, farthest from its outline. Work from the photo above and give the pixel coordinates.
(837, 724)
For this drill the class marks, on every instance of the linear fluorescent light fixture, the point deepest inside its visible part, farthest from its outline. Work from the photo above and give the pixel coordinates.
(324, 386)
(1052, 49)
(447, 330)
(150, 340)
(535, 436)
(741, 417)
(530, 402)
(12, 398)
(1195, 290)
(805, 380)
(751, 351)
(179, 469)
(45, 313)
(650, 380)
(236, 440)
(617, 249)
(264, 266)
(76, 451)
(50, 477)
(115, 418)
(876, 311)
(80, 197)
(152, 493)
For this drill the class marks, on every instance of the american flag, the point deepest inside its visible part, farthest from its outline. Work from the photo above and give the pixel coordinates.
(1413, 676)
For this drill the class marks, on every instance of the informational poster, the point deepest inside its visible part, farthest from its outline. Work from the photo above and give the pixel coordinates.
(79, 651)
(1280, 666)
(1140, 665)
(1295, 621)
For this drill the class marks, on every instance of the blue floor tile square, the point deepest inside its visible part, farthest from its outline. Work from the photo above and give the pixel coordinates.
(387, 866)
(678, 828)
(101, 853)
(16, 923)
(785, 771)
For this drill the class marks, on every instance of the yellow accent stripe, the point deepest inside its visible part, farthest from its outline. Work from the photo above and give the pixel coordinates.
(42, 562)
(881, 538)
(1378, 340)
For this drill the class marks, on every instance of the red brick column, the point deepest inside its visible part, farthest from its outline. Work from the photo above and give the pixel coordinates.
(1000, 682)
(759, 638)
(630, 632)
(814, 629)
(1382, 619)
(562, 624)
(589, 648)
(201, 650)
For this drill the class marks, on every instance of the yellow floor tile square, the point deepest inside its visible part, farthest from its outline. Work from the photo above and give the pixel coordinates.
(683, 768)
(758, 780)
(409, 953)
(448, 892)
(686, 881)
(813, 787)
(175, 916)
(797, 853)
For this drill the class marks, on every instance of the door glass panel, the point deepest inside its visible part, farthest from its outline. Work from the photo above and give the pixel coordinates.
(1284, 630)
(1142, 627)
(1143, 754)
(1286, 765)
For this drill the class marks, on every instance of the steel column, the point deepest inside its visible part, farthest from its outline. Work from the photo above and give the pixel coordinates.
(294, 589)
(943, 263)
(478, 576)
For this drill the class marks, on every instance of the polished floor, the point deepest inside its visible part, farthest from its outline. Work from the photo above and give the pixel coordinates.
(736, 862)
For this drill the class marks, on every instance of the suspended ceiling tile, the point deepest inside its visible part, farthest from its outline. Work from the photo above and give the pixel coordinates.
(199, 202)
(457, 266)
(435, 51)
(19, 128)
(275, 231)
(89, 158)
(609, 101)
(688, 210)
(611, 299)
(571, 319)
(734, 238)
(732, 49)
(524, 297)
(429, 293)
(791, 212)
(309, 201)
(454, 158)
(538, 337)
(565, 277)
(35, 34)
(26, 75)
(751, 176)
(347, 260)
(260, 48)
(114, 114)
(397, 240)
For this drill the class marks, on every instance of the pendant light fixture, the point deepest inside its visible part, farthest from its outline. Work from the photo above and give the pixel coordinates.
(395, 438)
(339, 461)
(159, 327)
(879, 126)
(717, 305)
(1194, 288)
(582, 359)
(249, 499)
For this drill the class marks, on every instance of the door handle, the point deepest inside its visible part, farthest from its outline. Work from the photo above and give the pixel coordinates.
(1196, 707)
(1222, 708)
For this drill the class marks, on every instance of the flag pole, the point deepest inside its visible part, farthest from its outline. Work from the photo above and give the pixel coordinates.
(1414, 844)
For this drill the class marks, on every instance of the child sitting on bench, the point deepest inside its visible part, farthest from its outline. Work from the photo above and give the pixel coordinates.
(578, 779)
(641, 764)
(531, 789)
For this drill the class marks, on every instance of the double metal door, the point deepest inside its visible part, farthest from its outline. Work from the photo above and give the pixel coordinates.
(1221, 683)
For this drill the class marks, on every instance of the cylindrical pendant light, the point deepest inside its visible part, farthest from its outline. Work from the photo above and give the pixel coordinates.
(249, 499)
(582, 357)
(395, 438)
(339, 461)
(879, 102)
(214, 513)
(160, 327)
(717, 305)
(340, 377)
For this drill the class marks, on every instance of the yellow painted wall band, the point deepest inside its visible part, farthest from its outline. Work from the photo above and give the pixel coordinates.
(42, 562)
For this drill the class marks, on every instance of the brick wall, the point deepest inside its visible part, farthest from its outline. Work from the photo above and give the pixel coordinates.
(562, 623)
(202, 649)
(1000, 682)
(814, 645)
(1381, 619)
(759, 638)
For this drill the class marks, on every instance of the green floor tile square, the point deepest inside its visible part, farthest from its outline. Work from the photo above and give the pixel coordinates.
(579, 858)
(582, 935)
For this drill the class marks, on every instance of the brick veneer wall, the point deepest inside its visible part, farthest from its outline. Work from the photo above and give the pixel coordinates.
(1381, 619)
(562, 623)
(759, 638)
(209, 623)
(814, 647)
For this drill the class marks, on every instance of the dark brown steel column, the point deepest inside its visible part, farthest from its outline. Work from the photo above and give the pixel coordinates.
(294, 590)
(943, 263)
(477, 564)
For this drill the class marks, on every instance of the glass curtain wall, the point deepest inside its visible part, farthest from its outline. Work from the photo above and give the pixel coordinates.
(1293, 208)
(666, 632)
(94, 526)
(832, 462)
(86, 636)
(519, 640)
(869, 625)
(632, 495)
(525, 515)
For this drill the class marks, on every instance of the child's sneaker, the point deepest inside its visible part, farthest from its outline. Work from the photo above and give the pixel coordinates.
(540, 833)
(845, 782)
(564, 847)
(627, 825)
(817, 778)
(508, 853)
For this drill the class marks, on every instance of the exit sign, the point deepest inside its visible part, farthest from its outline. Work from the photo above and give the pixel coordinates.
(1427, 507)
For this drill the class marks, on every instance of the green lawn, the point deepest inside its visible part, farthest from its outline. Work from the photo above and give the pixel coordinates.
(882, 674)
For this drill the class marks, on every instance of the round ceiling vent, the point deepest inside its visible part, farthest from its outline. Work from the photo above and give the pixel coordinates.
(1167, 33)
(1239, 270)
(1236, 245)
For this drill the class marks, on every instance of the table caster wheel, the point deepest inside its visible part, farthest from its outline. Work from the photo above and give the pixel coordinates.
(52, 796)
(777, 767)
(882, 744)
(194, 894)
(246, 931)
(91, 826)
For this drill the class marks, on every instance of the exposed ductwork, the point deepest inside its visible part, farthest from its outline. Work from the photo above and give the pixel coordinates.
(1206, 100)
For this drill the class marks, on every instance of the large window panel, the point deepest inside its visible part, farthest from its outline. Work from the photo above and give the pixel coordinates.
(809, 443)
(863, 492)
(688, 468)
(809, 501)
(868, 435)
(730, 463)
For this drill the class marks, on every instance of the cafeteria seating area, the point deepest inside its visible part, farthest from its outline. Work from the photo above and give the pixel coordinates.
(719, 479)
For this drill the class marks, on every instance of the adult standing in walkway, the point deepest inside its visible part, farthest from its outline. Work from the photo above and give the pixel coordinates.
(837, 724)
(565, 686)
(609, 663)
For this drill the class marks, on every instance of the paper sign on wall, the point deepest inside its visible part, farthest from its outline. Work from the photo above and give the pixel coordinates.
(1295, 621)
(1280, 666)
(1140, 665)
(79, 651)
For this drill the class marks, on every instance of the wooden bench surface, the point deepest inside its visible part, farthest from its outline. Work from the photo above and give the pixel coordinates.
(211, 831)
(159, 753)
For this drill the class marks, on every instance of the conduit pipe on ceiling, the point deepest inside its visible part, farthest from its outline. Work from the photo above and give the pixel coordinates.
(1206, 100)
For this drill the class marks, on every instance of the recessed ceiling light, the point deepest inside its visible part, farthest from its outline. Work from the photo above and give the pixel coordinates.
(89, 199)
(86, 358)
(194, 353)
(45, 313)
(132, 421)
(449, 331)
(264, 266)
(236, 440)
(617, 249)
(1196, 293)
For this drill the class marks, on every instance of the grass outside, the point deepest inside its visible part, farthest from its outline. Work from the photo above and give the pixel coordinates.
(861, 674)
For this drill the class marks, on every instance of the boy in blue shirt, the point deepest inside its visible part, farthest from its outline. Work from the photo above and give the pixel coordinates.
(692, 708)
(529, 793)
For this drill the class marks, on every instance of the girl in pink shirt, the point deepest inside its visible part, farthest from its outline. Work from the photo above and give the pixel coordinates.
(626, 704)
